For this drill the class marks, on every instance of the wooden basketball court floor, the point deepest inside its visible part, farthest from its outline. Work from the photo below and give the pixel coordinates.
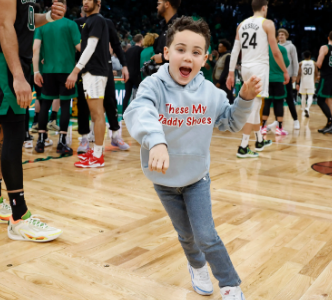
(274, 214)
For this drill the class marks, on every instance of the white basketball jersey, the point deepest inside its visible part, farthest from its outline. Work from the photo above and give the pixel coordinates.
(254, 42)
(308, 74)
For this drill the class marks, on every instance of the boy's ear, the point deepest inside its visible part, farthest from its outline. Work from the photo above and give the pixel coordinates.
(166, 53)
(205, 59)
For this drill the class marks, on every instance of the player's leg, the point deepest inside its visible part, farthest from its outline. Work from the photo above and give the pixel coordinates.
(279, 113)
(303, 101)
(52, 125)
(327, 112)
(266, 114)
(291, 105)
(129, 88)
(28, 143)
(43, 140)
(111, 109)
(62, 147)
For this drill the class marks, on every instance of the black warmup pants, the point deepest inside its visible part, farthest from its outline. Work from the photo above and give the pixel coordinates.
(278, 106)
(290, 100)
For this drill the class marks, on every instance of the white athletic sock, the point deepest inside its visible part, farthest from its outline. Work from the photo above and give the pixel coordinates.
(310, 100)
(92, 127)
(97, 151)
(259, 136)
(115, 134)
(245, 140)
(303, 101)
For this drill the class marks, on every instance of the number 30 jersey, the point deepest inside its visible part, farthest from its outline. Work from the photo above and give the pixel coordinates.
(254, 42)
(308, 74)
(24, 26)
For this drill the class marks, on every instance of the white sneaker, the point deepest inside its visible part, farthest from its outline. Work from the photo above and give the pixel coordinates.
(272, 126)
(51, 125)
(296, 124)
(5, 211)
(30, 228)
(91, 137)
(232, 293)
(48, 142)
(200, 280)
(28, 144)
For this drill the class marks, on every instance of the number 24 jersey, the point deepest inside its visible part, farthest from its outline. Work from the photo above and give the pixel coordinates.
(254, 42)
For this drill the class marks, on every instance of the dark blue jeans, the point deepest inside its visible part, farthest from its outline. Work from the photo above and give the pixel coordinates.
(189, 208)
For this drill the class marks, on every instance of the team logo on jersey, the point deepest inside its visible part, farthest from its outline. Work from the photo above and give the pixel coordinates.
(28, 1)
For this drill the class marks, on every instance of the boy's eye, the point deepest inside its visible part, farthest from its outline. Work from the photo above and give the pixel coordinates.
(180, 50)
(197, 53)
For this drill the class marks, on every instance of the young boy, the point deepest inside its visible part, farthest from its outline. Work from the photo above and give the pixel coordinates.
(173, 118)
(308, 73)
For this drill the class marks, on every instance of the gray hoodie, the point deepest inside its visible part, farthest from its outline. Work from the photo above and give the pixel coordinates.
(183, 118)
(293, 67)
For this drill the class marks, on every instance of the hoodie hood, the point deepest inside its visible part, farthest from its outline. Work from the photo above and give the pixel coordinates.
(163, 75)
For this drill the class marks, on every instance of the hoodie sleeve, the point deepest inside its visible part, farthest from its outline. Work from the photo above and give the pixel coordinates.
(232, 117)
(142, 117)
(295, 62)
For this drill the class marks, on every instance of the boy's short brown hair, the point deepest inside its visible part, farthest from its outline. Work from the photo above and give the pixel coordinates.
(188, 23)
(285, 31)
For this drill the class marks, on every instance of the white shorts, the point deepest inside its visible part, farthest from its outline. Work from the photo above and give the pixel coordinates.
(261, 71)
(94, 86)
(304, 91)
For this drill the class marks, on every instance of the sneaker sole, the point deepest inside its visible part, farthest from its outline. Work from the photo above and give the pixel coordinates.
(39, 151)
(246, 156)
(90, 166)
(261, 149)
(65, 152)
(20, 238)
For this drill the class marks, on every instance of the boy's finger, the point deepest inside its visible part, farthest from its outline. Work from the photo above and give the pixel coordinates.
(160, 166)
(150, 164)
(166, 164)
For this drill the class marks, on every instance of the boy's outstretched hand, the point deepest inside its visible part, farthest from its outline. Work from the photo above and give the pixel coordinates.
(251, 88)
(159, 159)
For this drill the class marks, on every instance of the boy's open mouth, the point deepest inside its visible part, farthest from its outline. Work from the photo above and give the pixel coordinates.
(185, 71)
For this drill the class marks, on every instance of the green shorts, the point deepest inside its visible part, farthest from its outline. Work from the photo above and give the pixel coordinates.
(324, 88)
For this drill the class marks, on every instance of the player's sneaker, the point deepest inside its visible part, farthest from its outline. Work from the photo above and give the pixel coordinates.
(30, 228)
(264, 130)
(281, 131)
(118, 142)
(34, 128)
(28, 144)
(40, 146)
(91, 162)
(200, 280)
(84, 146)
(232, 293)
(327, 127)
(306, 113)
(246, 152)
(260, 146)
(51, 125)
(85, 156)
(296, 124)
(48, 142)
(64, 149)
(5, 211)
(91, 137)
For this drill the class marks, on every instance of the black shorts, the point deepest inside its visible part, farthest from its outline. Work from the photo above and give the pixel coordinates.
(277, 91)
(10, 111)
(54, 87)
(324, 88)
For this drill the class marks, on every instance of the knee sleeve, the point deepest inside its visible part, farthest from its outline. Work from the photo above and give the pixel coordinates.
(11, 158)
(278, 108)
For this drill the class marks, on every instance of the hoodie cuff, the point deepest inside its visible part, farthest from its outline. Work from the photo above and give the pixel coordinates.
(154, 139)
(244, 103)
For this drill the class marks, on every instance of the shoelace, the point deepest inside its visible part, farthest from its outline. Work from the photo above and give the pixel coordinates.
(203, 274)
(5, 205)
(35, 221)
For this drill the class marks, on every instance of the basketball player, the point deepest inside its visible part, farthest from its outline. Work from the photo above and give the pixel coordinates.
(253, 37)
(94, 65)
(324, 90)
(308, 73)
(17, 25)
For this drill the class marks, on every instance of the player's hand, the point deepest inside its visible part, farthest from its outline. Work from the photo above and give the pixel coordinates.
(294, 78)
(159, 159)
(286, 77)
(125, 74)
(158, 58)
(297, 87)
(251, 88)
(23, 91)
(38, 78)
(230, 80)
(58, 10)
(71, 80)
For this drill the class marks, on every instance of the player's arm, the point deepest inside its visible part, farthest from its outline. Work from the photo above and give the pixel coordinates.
(9, 45)
(270, 30)
(322, 53)
(57, 12)
(38, 78)
(316, 72)
(234, 57)
(84, 59)
(299, 77)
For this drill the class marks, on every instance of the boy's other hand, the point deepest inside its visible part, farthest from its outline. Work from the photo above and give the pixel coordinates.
(251, 88)
(230, 80)
(159, 159)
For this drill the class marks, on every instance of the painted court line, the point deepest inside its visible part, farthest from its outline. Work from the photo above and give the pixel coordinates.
(293, 145)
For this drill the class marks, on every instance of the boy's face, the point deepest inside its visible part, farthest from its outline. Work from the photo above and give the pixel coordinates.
(282, 37)
(186, 56)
